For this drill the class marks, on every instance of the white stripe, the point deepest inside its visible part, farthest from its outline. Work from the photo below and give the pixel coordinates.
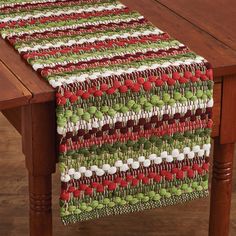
(136, 163)
(60, 80)
(60, 12)
(96, 123)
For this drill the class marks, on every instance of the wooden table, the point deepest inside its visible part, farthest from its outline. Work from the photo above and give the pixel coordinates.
(27, 101)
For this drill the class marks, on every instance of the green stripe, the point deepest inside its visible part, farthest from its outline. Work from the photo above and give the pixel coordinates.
(71, 217)
(74, 159)
(125, 66)
(106, 111)
(82, 55)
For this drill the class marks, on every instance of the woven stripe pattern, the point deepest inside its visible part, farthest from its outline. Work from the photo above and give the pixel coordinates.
(133, 105)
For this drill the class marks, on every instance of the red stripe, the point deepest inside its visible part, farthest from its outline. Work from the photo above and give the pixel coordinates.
(119, 42)
(32, 6)
(165, 129)
(142, 122)
(47, 71)
(163, 170)
(130, 76)
(86, 47)
(77, 31)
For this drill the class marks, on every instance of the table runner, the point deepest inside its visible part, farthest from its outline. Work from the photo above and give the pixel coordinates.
(133, 105)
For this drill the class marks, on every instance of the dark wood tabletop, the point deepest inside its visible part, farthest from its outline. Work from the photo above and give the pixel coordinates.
(13, 93)
(209, 35)
(217, 18)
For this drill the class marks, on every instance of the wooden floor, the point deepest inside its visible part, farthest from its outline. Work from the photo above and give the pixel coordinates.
(189, 219)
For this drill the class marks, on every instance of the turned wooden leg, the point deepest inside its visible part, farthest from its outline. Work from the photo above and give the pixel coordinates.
(40, 205)
(38, 137)
(221, 189)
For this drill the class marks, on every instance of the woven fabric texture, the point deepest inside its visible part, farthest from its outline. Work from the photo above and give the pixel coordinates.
(133, 105)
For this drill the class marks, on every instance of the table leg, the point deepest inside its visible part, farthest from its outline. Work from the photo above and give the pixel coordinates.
(40, 205)
(221, 188)
(38, 138)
